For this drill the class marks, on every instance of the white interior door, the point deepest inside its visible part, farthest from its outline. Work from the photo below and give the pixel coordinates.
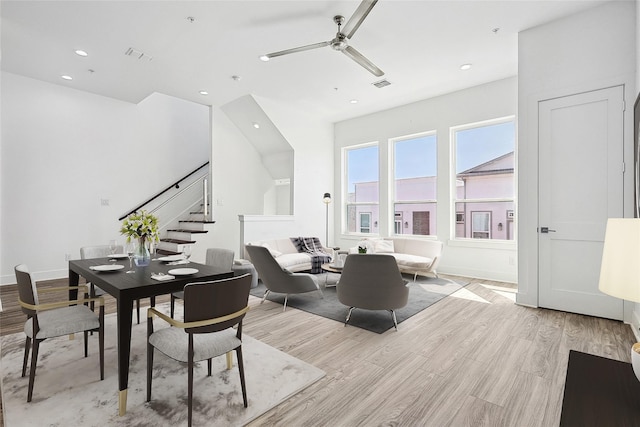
(580, 186)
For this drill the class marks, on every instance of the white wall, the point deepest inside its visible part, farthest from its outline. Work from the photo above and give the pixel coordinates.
(491, 260)
(591, 50)
(64, 150)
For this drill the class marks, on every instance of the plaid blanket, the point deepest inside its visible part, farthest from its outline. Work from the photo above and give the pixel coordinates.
(313, 247)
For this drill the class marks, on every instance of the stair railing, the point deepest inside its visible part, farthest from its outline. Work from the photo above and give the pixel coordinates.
(172, 186)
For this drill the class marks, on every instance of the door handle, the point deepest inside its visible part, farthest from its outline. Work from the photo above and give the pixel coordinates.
(546, 230)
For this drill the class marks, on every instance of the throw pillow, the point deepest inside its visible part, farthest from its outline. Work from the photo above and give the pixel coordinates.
(383, 246)
(274, 253)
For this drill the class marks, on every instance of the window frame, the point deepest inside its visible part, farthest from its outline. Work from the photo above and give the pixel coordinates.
(345, 190)
(465, 241)
(393, 201)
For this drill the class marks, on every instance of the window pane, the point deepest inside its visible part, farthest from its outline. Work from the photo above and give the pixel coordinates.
(415, 173)
(485, 220)
(485, 161)
(362, 189)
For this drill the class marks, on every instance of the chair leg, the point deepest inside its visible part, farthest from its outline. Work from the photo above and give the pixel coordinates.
(209, 365)
(32, 371)
(241, 369)
(286, 298)
(86, 343)
(265, 295)
(150, 349)
(173, 305)
(101, 342)
(27, 347)
(415, 275)
(138, 310)
(348, 315)
(229, 361)
(190, 380)
(395, 322)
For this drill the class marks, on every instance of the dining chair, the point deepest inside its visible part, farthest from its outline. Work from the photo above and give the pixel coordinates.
(102, 251)
(215, 257)
(211, 310)
(55, 319)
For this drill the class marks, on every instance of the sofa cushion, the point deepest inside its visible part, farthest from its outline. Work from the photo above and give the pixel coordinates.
(412, 261)
(290, 260)
(383, 246)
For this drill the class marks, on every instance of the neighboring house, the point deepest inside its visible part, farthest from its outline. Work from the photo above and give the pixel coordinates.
(485, 208)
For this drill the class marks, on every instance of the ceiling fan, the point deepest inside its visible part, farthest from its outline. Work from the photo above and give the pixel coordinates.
(340, 41)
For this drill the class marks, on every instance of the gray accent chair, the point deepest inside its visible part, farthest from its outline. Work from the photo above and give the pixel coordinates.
(372, 282)
(55, 319)
(277, 279)
(211, 310)
(216, 257)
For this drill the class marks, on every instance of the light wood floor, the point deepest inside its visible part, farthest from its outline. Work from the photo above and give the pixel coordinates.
(473, 359)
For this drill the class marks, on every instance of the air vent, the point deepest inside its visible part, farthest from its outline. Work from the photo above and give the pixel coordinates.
(134, 53)
(381, 83)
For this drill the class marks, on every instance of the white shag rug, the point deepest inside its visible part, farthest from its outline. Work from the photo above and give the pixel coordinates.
(68, 390)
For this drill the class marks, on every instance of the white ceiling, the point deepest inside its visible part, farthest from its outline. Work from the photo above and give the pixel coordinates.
(419, 44)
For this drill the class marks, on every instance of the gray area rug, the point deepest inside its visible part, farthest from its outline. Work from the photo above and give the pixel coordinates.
(424, 292)
(68, 390)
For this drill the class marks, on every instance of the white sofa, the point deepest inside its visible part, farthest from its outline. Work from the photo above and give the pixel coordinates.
(286, 254)
(414, 256)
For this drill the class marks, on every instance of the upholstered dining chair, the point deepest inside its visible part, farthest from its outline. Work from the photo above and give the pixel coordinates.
(102, 251)
(278, 280)
(211, 310)
(372, 282)
(216, 257)
(55, 319)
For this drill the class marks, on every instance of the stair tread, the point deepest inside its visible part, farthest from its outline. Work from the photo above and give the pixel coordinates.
(199, 221)
(178, 241)
(166, 252)
(181, 230)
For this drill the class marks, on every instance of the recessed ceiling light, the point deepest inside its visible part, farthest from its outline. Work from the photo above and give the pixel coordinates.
(354, 101)
(256, 125)
(465, 67)
(203, 92)
(80, 52)
(264, 58)
(67, 77)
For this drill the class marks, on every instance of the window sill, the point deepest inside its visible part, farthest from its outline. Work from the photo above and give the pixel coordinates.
(484, 244)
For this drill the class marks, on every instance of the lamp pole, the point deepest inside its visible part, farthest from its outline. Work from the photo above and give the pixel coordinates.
(326, 199)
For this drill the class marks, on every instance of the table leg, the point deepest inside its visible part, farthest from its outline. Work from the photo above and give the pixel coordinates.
(125, 309)
(74, 279)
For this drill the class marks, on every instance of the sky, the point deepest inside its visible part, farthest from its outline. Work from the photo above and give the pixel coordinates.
(473, 147)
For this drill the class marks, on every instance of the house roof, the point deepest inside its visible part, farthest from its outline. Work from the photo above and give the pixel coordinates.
(499, 165)
(179, 48)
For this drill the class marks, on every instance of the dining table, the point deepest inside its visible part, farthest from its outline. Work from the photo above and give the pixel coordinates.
(128, 287)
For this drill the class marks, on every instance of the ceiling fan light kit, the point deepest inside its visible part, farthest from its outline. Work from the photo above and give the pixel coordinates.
(341, 41)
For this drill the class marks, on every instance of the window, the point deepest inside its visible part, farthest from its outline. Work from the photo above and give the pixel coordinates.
(362, 188)
(485, 182)
(365, 222)
(414, 179)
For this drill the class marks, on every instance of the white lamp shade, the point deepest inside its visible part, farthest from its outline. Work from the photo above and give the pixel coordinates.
(620, 270)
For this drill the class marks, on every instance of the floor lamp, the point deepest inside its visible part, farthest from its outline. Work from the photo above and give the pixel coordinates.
(327, 199)
(620, 269)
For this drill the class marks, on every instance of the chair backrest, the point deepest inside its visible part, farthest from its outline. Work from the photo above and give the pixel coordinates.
(267, 267)
(220, 258)
(372, 281)
(27, 291)
(208, 300)
(99, 251)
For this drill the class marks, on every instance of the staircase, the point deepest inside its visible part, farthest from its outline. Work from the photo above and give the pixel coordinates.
(187, 232)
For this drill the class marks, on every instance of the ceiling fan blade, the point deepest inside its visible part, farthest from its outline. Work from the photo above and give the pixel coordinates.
(360, 59)
(358, 16)
(295, 49)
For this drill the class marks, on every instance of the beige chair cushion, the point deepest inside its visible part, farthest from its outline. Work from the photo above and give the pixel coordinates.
(174, 342)
(63, 321)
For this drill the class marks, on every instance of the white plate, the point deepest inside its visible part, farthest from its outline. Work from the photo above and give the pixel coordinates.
(335, 266)
(171, 258)
(183, 271)
(118, 256)
(108, 267)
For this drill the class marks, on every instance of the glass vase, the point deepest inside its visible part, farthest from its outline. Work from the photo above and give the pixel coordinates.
(142, 257)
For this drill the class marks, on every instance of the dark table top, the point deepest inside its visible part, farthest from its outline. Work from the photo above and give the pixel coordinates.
(140, 284)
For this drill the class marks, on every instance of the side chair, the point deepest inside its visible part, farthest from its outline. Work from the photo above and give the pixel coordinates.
(216, 257)
(101, 251)
(55, 319)
(211, 310)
